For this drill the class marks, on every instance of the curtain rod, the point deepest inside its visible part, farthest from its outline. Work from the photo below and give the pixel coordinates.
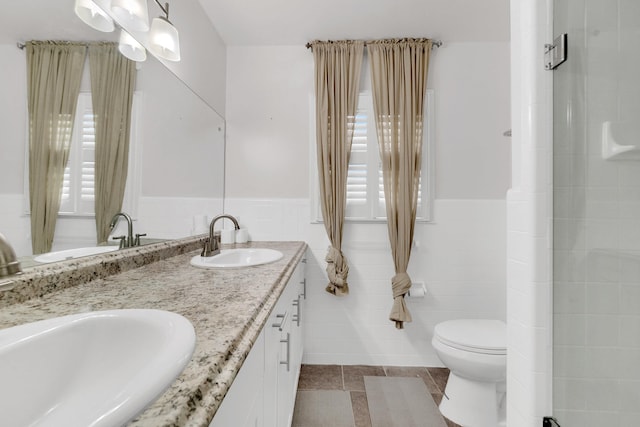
(434, 44)
(21, 46)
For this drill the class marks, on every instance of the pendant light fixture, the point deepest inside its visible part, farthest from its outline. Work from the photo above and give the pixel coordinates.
(163, 36)
(131, 14)
(129, 47)
(92, 15)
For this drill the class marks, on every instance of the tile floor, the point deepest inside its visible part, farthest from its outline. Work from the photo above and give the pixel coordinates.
(351, 378)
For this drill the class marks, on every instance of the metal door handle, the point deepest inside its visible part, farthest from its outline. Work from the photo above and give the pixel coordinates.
(288, 341)
(304, 288)
(296, 304)
(280, 325)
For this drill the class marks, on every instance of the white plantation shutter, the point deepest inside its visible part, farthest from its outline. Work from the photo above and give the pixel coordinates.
(357, 172)
(79, 175)
(357, 178)
(380, 208)
(365, 184)
(78, 186)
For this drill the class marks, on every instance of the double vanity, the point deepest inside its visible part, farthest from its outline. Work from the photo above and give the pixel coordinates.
(238, 315)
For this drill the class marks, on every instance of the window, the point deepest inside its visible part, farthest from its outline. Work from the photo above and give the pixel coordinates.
(78, 193)
(365, 185)
(78, 187)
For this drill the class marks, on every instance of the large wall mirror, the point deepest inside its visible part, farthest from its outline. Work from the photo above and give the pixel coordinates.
(177, 168)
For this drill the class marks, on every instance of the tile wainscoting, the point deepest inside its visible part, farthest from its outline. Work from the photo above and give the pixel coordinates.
(158, 217)
(460, 256)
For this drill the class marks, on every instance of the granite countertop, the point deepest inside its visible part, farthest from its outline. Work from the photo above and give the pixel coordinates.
(227, 308)
(28, 261)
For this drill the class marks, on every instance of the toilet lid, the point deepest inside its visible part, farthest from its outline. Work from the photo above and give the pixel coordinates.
(478, 335)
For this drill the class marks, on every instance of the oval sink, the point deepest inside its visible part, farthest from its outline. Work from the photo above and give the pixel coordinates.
(97, 368)
(74, 253)
(235, 258)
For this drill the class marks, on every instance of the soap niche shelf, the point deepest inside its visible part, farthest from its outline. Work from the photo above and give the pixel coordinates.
(618, 141)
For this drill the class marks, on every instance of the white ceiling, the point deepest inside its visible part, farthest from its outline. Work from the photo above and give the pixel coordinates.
(289, 22)
(45, 20)
(293, 22)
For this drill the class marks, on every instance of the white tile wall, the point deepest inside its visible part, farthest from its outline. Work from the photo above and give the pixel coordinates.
(172, 217)
(159, 217)
(529, 220)
(460, 257)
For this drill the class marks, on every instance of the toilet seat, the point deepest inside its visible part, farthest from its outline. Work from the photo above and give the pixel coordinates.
(474, 335)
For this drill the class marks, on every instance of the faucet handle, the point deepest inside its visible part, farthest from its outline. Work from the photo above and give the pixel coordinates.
(136, 242)
(122, 241)
(206, 250)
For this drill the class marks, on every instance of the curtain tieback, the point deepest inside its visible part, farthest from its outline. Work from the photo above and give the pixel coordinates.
(337, 270)
(400, 284)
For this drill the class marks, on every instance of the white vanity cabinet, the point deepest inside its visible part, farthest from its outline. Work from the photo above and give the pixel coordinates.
(298, 320)
(283, 352)
(264, 391)
(242, 406)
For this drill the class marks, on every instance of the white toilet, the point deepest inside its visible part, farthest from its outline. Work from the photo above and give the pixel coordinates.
(475, 351)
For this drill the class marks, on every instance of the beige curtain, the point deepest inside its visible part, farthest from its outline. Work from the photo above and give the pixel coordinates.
(337, 77)
(399, 79)
(112, 85)
(53, 81)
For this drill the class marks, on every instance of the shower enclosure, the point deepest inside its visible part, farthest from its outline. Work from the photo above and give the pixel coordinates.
(596, 215)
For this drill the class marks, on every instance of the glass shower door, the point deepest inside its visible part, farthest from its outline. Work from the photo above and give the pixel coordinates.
(596, 215)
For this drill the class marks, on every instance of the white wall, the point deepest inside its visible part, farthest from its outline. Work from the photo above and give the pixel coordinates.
(268, 93)
(203, 54)
(13, 125)
(182, 139)
(13, 118)
(461, 255)
(471, 84)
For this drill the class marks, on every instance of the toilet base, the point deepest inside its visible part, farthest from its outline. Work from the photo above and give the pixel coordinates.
(474, 403)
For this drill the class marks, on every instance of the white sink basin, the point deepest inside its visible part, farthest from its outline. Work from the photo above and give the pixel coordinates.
(90, 369)
(74, 253)
(235, 258)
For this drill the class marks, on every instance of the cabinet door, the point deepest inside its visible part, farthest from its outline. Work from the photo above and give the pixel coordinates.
(264, 392)
(277, 332)
(287, 370)
(242, 406)
(298, 283)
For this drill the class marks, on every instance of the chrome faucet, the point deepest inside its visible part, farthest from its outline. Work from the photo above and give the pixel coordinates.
(127, 241)
(212, 243)
(9, 265)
